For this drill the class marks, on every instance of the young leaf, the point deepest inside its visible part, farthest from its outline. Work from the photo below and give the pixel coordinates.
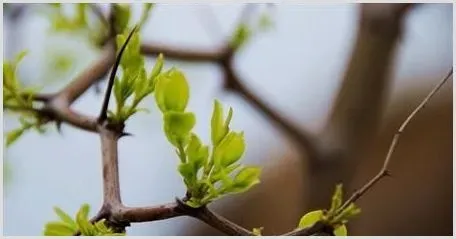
(187, 172)
(13, 135)
(178, 126)
(156, 70)
(336, 201)
(312, 217)
(65, 217)
(172, 91)
(193, 202)
(146, 12)
(196, 152)
(229, 150)
(240, 36)
(245, 179)
(58, 229)
(257, 231)
(20, 56)
(219, 129)
(82, 220)
(349, 212)
(141, 89)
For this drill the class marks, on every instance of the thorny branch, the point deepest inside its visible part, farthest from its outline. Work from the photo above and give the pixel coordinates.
(384, 170)
(57, 108)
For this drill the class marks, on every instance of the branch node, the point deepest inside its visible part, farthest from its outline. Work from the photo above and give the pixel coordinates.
(387, 173)
(191, 211)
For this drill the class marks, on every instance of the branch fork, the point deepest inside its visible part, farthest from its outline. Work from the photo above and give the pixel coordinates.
(58, 108)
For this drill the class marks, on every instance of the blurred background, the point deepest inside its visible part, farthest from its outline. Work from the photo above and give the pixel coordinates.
(295, 66)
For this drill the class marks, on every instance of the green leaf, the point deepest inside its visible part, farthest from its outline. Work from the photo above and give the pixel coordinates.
(120, 41)
(126, 85)
(13, 136)
(141, 89)
(146, 12)
(68, 227)
(122, 14)
(336, 201)
(229, 150)
(241, 36)
(178, 126)
(197, 153)
(172, 91)
(20, 56)
(86, 228)
(194, 203)
(187, 172)
(58, 229)
(349, 212)
(65, 217)
(257, 231)
(219, 129)
(156, 71)
(312, 217)
(118, 91)
(245, 179)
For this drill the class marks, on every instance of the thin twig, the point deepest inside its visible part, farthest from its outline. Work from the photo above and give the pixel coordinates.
(384, 170)
(147, 214)
(103, 113)
(183, 54)
(212, 219)
(220, 223)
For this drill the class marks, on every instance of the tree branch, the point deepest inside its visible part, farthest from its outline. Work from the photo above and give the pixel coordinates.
(147, 214)
(359, 103)
(299, 136)
(220, 223)
(61, 112)
(357, 109)
(183, 54)
(89, 76)
(384, 170)
(111, 185)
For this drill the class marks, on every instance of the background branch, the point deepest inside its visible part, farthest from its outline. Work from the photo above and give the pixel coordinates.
(356, 111)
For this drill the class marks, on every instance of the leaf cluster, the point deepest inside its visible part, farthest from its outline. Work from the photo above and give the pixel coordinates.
(208, 173)
(135, 83)
(332, 216)
(67, 226)
(97, 31)
(19, 99)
